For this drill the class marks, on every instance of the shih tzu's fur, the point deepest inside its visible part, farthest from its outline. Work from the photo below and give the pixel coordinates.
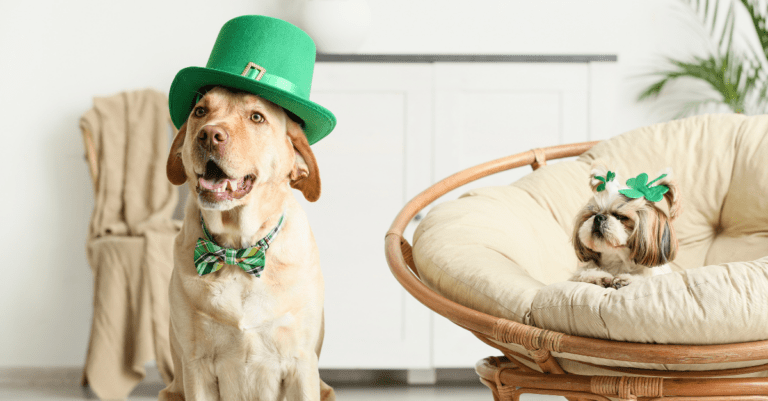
(620, 239)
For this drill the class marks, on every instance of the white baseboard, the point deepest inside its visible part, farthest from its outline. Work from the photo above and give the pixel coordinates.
(40, 376)
(59, 376)
(71, 375)
(422, 376)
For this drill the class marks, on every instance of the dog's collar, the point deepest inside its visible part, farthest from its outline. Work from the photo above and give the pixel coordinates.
(210, 257)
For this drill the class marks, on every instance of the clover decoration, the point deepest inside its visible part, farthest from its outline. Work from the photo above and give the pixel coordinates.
(638, 188)
(608, 177)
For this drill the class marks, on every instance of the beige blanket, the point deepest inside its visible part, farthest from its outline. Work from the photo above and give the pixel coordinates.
(130, 241)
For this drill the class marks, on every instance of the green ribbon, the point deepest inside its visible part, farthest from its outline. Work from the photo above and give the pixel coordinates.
(275, 81)
(271, 80)
(638, 188)
(210, 257)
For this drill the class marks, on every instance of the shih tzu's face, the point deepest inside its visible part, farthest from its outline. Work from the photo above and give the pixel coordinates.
(612, 227)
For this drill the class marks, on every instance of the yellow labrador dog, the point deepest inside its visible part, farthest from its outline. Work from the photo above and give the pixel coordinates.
(235, 335)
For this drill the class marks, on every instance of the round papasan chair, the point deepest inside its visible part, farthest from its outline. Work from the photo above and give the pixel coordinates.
(496, 262)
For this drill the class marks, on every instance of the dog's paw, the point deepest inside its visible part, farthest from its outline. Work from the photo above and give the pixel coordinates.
(168, 396)
(605, 282)
(326, 392)
(623, 280)
(596, 277)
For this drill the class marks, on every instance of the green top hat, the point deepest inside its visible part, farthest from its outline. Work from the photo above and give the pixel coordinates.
(265, 56)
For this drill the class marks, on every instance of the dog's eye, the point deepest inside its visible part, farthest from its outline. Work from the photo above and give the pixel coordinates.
(199, 111)
(620, 217)
(257, 117)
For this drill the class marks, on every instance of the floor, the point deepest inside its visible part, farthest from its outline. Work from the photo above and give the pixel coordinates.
(343, 393)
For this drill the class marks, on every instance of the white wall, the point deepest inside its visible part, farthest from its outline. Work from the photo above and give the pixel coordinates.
(55, 56)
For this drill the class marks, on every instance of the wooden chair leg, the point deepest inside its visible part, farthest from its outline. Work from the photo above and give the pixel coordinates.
(492, 386)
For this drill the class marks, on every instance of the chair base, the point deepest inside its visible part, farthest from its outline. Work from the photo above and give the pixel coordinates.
(508, 383)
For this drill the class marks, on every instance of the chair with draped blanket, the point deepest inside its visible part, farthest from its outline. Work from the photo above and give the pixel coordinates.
(130, 240)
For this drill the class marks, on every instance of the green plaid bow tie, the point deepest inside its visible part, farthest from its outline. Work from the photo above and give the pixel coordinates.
(210, 257)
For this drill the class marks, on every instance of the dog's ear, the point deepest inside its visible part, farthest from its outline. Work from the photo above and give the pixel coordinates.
(653, 242)
(582, 252)
(673, 195)
(305, 176)
(174, 167)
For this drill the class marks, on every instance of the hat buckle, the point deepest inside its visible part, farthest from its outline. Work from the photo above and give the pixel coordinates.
(253, 66)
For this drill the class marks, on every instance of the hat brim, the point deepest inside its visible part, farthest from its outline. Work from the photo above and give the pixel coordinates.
(318, 121)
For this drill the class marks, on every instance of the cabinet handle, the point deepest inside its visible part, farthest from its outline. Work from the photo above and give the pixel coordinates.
(418, 217)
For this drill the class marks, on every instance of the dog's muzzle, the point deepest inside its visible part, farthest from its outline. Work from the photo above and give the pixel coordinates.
(214, 185)
(598, 224)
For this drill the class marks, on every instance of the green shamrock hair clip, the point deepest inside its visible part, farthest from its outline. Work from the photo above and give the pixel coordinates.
(638, 188)
(608, 178)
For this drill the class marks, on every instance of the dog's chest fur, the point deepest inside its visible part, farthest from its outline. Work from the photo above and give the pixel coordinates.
(245, 308)
(242, 298)
(618, 261)
(243, 329)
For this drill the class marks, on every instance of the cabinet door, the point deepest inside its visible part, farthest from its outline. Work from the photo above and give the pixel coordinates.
(371, 164)
(491, 110)
(487, 111)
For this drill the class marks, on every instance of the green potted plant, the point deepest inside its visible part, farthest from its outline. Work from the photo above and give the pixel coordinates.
(737, 73)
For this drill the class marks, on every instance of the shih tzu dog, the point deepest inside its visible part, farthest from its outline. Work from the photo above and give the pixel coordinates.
(624, 232)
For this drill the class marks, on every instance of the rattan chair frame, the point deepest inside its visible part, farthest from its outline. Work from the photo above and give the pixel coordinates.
(508, 377)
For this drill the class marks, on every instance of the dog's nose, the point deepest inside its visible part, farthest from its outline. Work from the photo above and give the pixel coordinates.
(598, 222)
(211, 137)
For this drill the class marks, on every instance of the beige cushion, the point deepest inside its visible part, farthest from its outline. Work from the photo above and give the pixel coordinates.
(506, 251)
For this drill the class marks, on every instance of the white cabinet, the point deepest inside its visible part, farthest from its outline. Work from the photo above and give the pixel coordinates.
(487, 111)
(402, 127)
(374, 160)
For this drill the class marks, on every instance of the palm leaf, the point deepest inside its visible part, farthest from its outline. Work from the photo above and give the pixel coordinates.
(758, 22)
(723, 74)
(737, 77)
(655, 89)
(759, 56)
(726, 36)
